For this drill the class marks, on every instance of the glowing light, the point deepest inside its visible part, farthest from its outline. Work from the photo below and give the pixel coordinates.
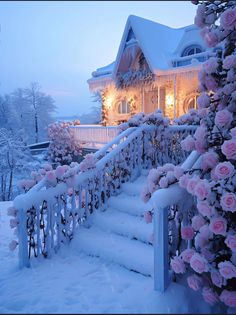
(109, 102)
(169, 100)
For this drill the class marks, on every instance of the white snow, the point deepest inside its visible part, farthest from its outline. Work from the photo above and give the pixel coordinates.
(73, 282)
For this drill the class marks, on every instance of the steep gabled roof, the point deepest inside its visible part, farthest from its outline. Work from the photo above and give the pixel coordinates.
(158, 42)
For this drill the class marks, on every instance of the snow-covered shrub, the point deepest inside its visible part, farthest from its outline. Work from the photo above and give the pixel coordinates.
(193, 117)
(211, 262)
(63, 147)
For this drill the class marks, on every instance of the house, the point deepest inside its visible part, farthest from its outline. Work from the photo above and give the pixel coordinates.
(156, 67)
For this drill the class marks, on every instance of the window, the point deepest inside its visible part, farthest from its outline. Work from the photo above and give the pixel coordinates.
(124, 107)
(192, 50)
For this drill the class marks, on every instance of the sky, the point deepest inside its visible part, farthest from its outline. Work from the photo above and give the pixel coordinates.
(60, 43)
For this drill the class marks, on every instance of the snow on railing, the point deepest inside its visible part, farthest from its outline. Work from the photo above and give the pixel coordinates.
(93, 136)
(49, 217)
(172, 206)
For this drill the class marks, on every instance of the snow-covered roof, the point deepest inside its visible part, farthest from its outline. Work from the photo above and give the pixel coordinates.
(160, 44)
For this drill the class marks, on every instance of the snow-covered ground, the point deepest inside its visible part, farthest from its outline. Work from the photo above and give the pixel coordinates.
(71, 282)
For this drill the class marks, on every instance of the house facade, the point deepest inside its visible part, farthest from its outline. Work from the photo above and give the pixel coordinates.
(156, 67)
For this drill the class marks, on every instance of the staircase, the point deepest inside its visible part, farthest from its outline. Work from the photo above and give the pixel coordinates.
(120, 234)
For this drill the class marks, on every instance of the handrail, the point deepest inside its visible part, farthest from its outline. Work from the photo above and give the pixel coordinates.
(50, 216)
(161, 200)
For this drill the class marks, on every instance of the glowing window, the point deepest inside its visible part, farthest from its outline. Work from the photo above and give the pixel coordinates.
(123, 107)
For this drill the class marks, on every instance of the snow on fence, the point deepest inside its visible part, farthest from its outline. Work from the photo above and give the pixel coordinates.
(93, 136)
(49, 217)
(173, 206)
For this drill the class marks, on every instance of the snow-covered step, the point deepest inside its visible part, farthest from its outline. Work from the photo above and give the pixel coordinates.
(136, 187)
(122, 223)
(129, 204)
(131, 254)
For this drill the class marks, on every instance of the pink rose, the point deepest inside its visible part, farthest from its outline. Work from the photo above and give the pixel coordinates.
(199, 263)
(60, 170)
(205, 209)
(203, 100)
(209, 37)
(229, 62)
(183, 181)
(12, 245)
(153, 175)
(47, 167)
(228, 19)
(178, 172)
(12, 211)
(188, 144)
(13, 223)
(192, 182)
(229, 298)
(177, 265)
(205, 231)
(224, 170)
(187, 232)
(227, 269)
(202, 189)
(218, 226)
(207, 254)
(217, 279)
(197, 222)
(148, 216)
(210, 66)
(51, 177)
(200, 241)
(163, 182)
(209, 160)
(230, 241)
(187, 254)
(223, 118)
(229, 149)
(211, 83)
(209, 295)
(228, 202)
(194, 282)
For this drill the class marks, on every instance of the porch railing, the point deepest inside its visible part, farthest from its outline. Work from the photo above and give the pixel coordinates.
(49, 217)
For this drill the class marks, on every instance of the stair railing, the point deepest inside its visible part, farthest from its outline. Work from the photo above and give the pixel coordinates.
(167, 201)
(49, 217)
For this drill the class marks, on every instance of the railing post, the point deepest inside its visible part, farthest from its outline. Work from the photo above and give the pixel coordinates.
(161, 260)
(23, 239)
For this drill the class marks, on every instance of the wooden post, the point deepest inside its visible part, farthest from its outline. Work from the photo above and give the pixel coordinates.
(161, 263)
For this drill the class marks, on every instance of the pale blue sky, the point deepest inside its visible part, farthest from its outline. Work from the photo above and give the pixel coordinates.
(59, 43)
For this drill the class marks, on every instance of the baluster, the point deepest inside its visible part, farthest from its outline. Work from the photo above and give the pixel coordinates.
(73, 209)
(38, 231)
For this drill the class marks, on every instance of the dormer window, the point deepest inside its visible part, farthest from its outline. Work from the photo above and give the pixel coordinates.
(192, 50)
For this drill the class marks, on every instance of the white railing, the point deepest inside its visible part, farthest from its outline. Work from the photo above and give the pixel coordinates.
(167, 204)
(49, 217)
(94, 136)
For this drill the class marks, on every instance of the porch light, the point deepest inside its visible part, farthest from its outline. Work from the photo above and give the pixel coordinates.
(169, 100)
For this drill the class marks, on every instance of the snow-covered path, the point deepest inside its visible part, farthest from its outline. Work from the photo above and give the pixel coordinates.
(72, 282)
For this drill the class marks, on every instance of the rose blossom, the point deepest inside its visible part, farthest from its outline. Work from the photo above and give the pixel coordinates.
(200, 241)
(211, 65)
(227, 269)
(211, 83)
(178, 172)
(183, 181)
(228, 202)
(177, 265)
(209, 160)
(205, 231)
(229, 62)
(233, 132)
(202, 189)
(199, 263)
(229, 298)
(209, 295)
(60, 170)
(12, 211)
(205, 209)
(12, 245)
(228, 19)
(223, 118)
(187, 232)
(228, 148)
(209, 36)
(13, 223)
(51, 177)
(203, 100)
(218, 226)
(194, 282)
(163, 182)
(192, 182)
(230, 241)
(217, 279)
(197, 222)
(187, 254)
(224, 170)
(148, 216)
(207, 254)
